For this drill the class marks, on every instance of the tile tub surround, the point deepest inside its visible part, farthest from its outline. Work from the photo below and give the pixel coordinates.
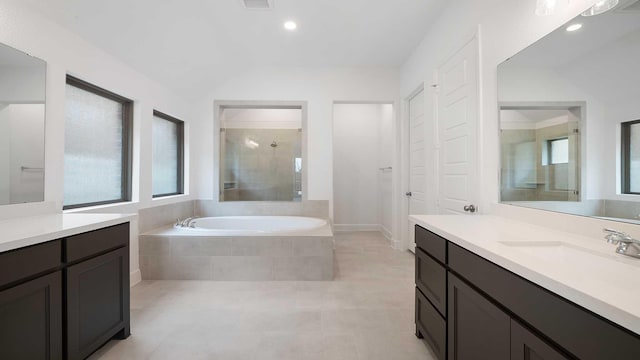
(165, 254)
(158, 216)
(365, 313)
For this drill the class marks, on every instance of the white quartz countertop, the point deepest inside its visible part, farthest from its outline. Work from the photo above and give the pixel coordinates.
(584, 270)
(26, 231)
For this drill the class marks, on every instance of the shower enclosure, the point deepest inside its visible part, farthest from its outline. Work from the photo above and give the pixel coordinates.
(260, 153)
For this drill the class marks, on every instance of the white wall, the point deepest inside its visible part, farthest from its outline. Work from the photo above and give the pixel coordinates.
(67, 53)
(319, 87)
(386, 145)
(362, 144)
(504, 27)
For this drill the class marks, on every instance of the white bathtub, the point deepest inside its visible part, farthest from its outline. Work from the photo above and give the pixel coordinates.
(254, 225)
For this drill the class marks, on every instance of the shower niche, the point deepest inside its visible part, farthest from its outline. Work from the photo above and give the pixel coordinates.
(261, 152)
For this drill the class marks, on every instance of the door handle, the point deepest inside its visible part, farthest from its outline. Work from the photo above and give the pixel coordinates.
(408, 193)
(470, 208)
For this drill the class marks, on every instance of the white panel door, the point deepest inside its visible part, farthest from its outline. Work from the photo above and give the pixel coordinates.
(417, 171)
(457, 99)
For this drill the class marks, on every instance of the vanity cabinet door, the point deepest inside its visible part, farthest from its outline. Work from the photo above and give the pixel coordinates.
(477, 328)
(31, 319)
(527, 346)
(97, 302)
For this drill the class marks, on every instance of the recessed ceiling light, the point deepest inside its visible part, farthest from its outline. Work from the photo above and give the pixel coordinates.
(290, 25)
(574, 27)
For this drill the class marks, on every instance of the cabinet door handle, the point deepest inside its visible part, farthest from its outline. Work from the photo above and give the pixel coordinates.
(408, 193)
(470, 208)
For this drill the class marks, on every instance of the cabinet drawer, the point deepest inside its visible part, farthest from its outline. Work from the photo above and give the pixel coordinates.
(94, 242)
(431, 279)
(579, 331)
(25, 262)
(431, 326)
(431, 243)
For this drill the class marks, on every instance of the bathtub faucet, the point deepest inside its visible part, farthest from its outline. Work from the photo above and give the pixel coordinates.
(188, 222)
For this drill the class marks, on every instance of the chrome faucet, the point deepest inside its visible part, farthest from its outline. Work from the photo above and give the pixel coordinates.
(626, 244)
(188, 222)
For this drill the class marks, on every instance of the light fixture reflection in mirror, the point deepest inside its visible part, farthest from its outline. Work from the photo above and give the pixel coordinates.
(22, 123)
(596, 70)
(545, 7)
(601, 7)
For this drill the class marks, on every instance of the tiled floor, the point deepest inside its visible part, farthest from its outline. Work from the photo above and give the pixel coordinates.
(365, 313)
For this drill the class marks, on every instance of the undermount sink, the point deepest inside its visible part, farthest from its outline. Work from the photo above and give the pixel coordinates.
(557, 251)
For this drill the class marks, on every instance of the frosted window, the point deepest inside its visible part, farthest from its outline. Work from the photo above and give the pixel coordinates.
(166, 162)
(93, 149)
(634, 158)
(560, 151)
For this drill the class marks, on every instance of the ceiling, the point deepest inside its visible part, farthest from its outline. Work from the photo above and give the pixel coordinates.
(192, 45)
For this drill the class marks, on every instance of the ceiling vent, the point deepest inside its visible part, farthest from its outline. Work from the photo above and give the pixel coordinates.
(629, 6)
(257, 4)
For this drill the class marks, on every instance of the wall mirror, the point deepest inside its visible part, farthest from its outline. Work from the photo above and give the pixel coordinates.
(22, 112)
(570, 118)
(261, 153)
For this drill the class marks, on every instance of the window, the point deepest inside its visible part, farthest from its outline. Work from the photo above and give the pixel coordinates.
(97, 146)
(168, 148)
(559, 151)
(631, 157)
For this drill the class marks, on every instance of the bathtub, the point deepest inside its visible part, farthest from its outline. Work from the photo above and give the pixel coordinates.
(253, 225)
(240, 248)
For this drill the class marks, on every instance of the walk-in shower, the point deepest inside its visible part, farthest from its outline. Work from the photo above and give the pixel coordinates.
(260, 153)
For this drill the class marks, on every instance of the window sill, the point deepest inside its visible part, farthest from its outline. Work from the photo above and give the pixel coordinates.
(99, 207)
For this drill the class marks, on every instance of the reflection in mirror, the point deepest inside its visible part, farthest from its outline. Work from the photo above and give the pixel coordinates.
(565, 103)
(22, 111)
(540, 150)
(261, 154)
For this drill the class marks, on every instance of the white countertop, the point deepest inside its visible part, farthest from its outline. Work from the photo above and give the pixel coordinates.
(585, 270)
(26, 231)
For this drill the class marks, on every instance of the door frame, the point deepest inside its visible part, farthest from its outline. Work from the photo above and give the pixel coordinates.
(404, 144)
(394, 238)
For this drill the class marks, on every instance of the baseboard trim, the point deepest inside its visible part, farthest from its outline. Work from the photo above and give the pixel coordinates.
(135, 277)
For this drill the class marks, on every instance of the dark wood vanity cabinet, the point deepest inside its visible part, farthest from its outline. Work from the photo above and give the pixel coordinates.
(31, 319)
(63, 299)
(477, 328)
(31, 302)
(492, 313)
